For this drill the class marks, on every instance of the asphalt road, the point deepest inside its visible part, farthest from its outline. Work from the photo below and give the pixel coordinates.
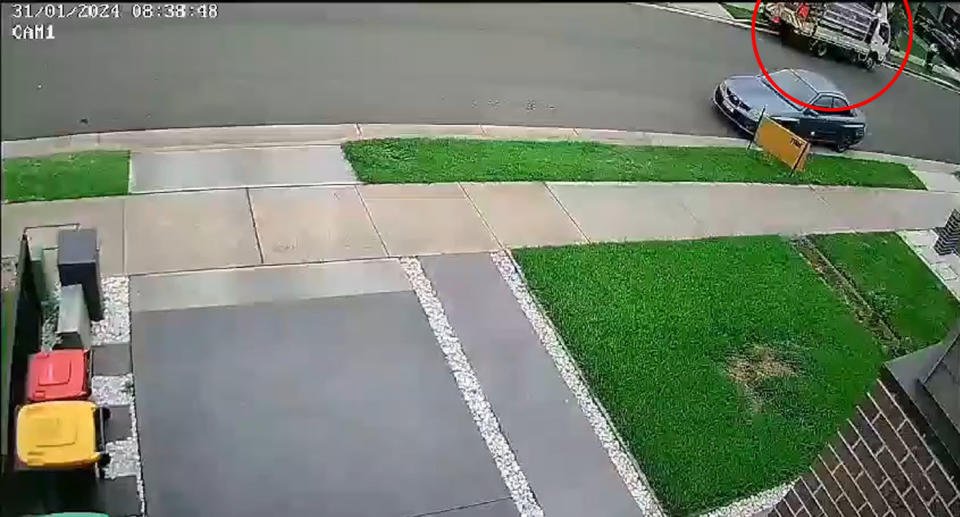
(603, 66)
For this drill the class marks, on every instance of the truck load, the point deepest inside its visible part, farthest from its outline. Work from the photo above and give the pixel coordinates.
(858, 30)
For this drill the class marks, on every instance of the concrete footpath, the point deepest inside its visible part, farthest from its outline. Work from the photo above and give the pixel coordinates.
(165, 232)
(208, 198)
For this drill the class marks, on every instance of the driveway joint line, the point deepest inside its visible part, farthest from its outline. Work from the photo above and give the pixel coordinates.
(224, 146)
(464, 507)
(278, 265)
(567, 212)
(470, 388)
(373, 223)
(53, 225)
(260, 186)
(698, 224)
(483, 219)
(253, 219)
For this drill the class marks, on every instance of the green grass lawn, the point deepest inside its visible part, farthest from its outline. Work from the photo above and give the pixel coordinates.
(918, 49)
(725, 364)
(66, 176)
(893, 280)
(418, 160)
(739, 13)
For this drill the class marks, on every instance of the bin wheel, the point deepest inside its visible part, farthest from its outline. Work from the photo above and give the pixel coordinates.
(102, 464)
(105, 413)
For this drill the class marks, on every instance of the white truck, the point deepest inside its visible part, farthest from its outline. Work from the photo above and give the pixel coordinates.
(859, 30)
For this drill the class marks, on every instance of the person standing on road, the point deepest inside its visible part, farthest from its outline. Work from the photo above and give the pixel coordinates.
(932, 51)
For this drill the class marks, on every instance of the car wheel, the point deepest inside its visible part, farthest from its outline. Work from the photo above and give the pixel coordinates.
(842, 144)
(870, 62)
(785, 31)
(819, 50)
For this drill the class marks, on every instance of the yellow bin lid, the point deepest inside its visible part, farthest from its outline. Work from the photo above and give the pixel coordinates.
(57, 434)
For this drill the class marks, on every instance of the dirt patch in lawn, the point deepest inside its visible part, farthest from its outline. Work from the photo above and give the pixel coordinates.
(749, 372)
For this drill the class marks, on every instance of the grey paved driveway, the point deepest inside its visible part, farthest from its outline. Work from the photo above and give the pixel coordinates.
(603, 66)
(290, 407)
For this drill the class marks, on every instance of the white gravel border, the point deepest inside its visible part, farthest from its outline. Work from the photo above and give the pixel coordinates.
(118, 390)
(115, 326)
(112, 390)
(754, 504)
(626, 465)
(135, 437)
(8, 272)
(124, 458)
(472, 392)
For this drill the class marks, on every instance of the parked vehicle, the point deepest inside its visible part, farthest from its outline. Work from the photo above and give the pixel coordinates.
(745, 98)
(858, 30)
(949, 46)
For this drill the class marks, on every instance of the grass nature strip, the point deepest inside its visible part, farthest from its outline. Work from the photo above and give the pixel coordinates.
(66, 176)
(422, 160)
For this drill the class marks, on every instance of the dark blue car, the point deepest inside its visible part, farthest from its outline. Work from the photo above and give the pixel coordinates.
(742, 98)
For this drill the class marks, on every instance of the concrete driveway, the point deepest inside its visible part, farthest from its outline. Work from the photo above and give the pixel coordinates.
(272, 393)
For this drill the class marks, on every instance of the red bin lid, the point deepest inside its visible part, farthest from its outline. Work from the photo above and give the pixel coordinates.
(57, 375)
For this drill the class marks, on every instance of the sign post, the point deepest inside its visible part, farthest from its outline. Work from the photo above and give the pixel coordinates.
(759, 120)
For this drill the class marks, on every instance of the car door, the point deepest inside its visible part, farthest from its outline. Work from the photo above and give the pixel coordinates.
(816, 125)
(843, 123)
(883, 46)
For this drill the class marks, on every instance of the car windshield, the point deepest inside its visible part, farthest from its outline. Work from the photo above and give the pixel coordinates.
(793, 85)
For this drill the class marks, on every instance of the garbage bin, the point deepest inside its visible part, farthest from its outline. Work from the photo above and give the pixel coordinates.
(58, 375)
(61, 435)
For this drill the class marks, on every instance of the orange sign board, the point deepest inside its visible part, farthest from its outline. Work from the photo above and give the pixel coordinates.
(783, 144)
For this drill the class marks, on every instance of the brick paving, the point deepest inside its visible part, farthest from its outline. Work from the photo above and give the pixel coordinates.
(877, 464)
